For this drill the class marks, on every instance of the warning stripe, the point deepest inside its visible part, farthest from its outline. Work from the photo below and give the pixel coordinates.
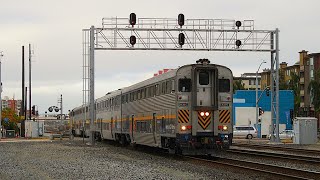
(183, 116)
(204, 121)
(224, 116)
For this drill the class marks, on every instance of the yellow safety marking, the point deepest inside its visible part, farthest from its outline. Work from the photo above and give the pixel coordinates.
(224, 116)
(204, 121)
(142, 118)
(183, 116)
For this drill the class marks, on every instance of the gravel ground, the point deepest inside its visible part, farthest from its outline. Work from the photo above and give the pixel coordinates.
(74, 160)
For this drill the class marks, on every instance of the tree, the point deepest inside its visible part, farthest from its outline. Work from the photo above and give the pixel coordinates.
(9, 119)
(238, 85)
(314, 89)
(293, 85)
(283, 85)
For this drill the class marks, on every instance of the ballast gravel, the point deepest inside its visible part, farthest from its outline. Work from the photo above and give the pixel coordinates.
(73, 159)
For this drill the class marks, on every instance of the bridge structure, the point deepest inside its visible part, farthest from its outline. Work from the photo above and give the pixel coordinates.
(118, 34)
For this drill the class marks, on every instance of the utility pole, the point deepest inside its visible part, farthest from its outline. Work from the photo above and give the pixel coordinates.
(29, 81)
(1, 55)
(25, 103)
(22, 111)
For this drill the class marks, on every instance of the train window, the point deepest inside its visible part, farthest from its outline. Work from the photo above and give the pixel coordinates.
(224, 85)
(131, 97)
(126, 98)
(185, 85)
(145, 92)
(135, 97)
(152, 92)
(157, 89)
(142, 93)
(203, 77)
(163, 88)
(139, 94)
(168, 87)
(143, 126)
(138, 126)
(172, 86)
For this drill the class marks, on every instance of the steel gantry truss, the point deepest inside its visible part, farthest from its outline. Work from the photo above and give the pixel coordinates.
(163, 33)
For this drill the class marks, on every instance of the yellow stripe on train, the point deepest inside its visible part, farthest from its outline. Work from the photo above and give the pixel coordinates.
(224, 116)
(183, 116)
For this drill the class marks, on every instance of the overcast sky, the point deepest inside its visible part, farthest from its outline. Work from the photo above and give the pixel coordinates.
(54, 28)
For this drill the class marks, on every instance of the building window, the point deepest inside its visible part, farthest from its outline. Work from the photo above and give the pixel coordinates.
(311, 61)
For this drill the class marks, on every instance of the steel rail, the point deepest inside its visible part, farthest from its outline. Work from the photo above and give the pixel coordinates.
(305, 159)
(271, 170)
(280, 148)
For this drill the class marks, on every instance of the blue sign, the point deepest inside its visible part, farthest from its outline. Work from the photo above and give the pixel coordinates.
(6, 120)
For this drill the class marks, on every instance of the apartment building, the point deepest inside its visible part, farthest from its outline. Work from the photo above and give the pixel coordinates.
(249, 80)
(306, 69)
(12, 104)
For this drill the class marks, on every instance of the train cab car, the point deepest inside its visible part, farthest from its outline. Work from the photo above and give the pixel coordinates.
(186, 110)
(204, 101)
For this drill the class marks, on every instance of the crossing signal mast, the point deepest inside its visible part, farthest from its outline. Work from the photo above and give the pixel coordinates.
(177, 34)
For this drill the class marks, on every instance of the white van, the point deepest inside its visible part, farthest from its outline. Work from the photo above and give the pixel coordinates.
(247, 132)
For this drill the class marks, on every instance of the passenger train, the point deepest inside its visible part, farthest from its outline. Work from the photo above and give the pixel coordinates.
(187, 110)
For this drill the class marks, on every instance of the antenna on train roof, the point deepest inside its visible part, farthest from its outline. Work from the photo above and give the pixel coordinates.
(203, 61)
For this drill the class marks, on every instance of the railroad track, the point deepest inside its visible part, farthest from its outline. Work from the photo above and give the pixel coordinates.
(280, 148)
(277, 156)
(272, 171)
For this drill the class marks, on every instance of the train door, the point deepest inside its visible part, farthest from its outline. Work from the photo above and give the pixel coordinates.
(111, 127)
(204, 100)
(154, 119)
(204, 88)
(132, 127)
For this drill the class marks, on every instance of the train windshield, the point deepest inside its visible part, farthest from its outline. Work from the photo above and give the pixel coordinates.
(224, 85)
(185, 85)
(204, 78)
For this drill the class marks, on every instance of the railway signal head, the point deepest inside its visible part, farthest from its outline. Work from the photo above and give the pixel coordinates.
(238, 43)
(181, 20)
(33, 110)
(238, 24)
(133, 40)
(181, 39)
(133, 19)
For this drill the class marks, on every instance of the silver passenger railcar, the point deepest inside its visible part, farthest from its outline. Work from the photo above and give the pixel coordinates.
(186, 110)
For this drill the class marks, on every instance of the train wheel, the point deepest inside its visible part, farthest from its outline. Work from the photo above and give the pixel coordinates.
(123, 140)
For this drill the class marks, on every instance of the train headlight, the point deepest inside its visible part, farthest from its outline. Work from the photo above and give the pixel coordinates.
(183, 128)
(201, 113)
(207, 113)
(225, 128)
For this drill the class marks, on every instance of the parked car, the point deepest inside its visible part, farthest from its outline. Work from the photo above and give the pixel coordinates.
(247, 132)
(285, 134)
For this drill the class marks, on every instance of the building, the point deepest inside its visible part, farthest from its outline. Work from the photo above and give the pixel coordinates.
(309, 65)
(12, 104)
(249, 80)
(244, 104)
(306, 69)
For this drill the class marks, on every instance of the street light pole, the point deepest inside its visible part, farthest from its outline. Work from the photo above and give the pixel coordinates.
(257, 113)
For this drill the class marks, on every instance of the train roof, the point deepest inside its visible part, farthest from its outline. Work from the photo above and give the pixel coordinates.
(167, 75)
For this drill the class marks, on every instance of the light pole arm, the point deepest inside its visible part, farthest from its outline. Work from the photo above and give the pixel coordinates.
(261, 94)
